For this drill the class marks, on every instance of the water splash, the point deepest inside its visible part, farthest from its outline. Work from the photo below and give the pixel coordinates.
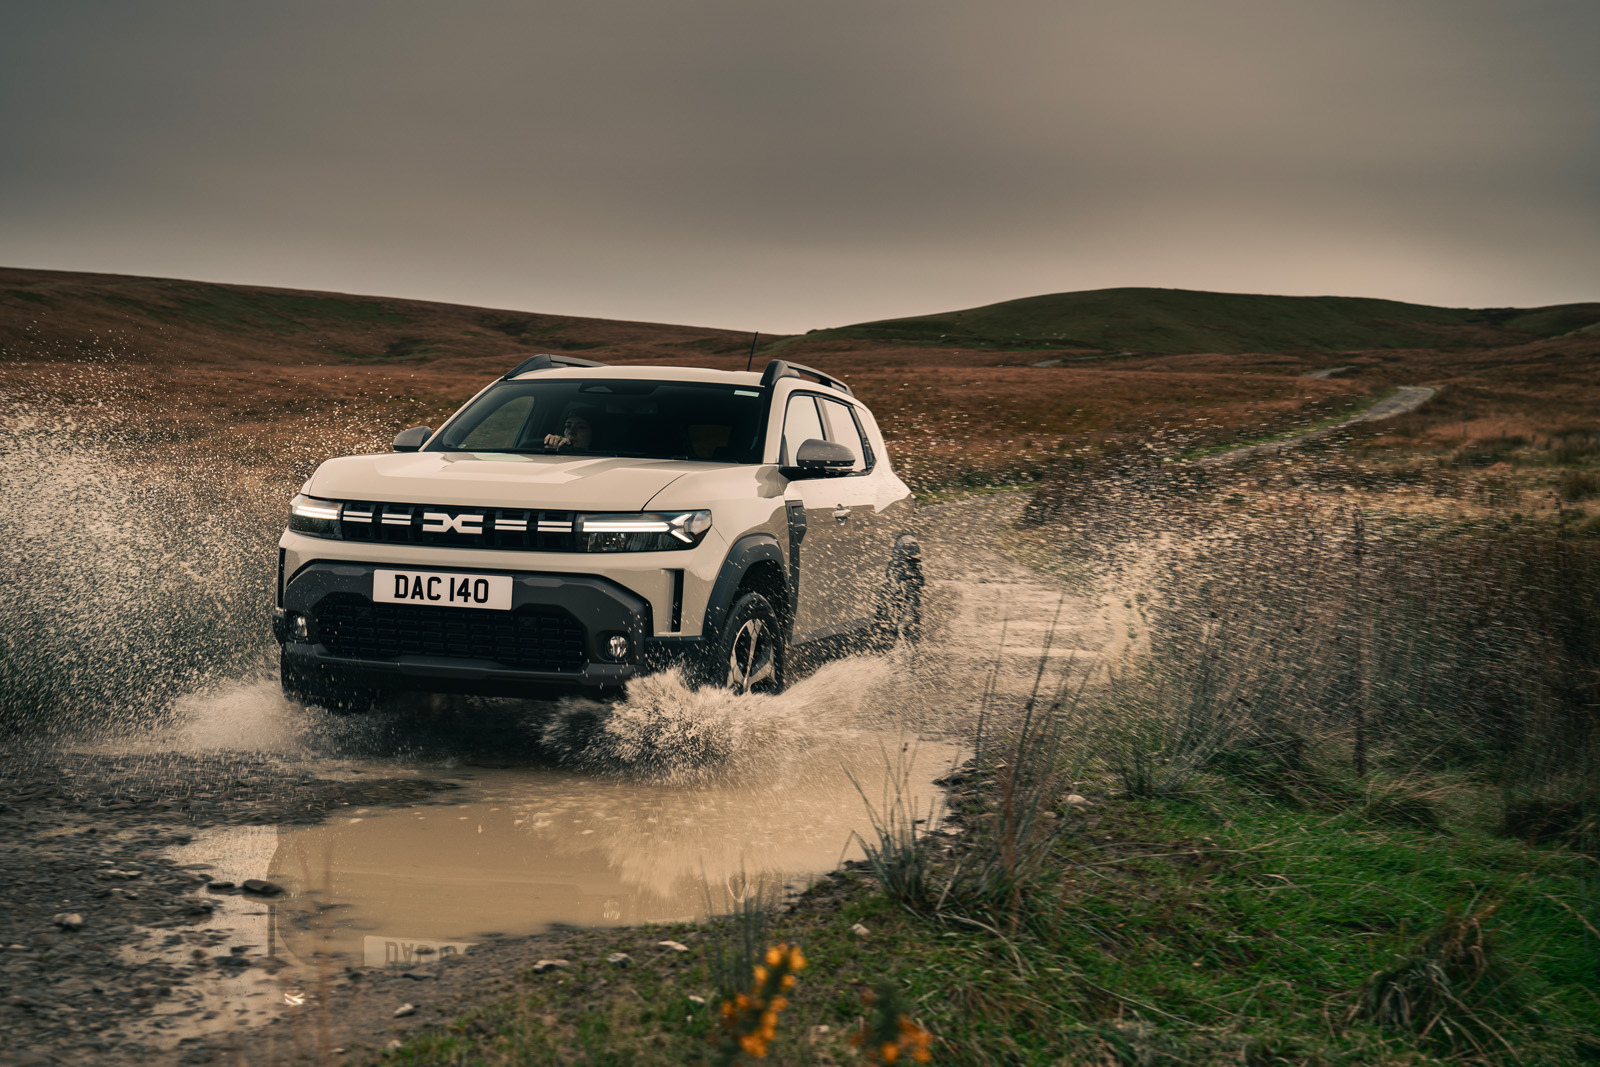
(126, 584)
(664, 730)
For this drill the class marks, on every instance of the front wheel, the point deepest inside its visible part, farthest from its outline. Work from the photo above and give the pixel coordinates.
(318, 689)
(749, 656)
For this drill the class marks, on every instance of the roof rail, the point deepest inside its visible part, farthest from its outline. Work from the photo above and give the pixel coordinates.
(545, 361)
(779, 369)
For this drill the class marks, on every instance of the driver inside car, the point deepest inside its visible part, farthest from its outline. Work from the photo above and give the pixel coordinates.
(577, 432)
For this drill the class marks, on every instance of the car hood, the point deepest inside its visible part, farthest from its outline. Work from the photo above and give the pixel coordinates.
(498, 480)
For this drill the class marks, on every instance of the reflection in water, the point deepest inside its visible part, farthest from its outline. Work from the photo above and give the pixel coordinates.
(562, 848)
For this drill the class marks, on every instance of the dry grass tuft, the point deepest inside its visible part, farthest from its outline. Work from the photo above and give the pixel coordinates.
(1452, 991)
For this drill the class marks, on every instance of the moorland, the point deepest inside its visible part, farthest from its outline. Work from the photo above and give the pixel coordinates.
(1337, 804)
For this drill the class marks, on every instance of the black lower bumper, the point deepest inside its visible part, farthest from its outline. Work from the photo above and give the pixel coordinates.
(557, 635)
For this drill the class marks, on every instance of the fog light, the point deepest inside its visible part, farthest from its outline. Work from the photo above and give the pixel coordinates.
(300, 628)
(618, 647)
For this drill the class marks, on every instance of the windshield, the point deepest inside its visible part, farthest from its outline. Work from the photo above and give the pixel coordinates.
(612, 417)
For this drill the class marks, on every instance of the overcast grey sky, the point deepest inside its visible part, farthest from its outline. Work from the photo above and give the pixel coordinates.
(788, 164)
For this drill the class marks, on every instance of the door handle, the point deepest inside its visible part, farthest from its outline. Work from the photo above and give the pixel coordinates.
(841, 513)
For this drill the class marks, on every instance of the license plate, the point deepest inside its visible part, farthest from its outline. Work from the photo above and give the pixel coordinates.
(442, 590)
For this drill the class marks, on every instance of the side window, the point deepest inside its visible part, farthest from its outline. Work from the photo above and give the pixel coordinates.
(801, 423)
(842, 429)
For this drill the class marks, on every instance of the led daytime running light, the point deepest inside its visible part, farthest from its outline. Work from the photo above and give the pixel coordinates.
(685, 527)
(311, 508)
(626, 526)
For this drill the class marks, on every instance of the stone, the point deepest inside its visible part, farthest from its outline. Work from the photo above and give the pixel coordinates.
(860, 931)
(1076, 801)
(68, 920)
(676, 946)
(262, 886)
(619, 959)
(405, 1009)
(395, 1045)
(550, 965)
(695, 998)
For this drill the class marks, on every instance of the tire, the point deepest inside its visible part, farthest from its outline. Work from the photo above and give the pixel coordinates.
(899, 619)
(321, 691)
(750, 651)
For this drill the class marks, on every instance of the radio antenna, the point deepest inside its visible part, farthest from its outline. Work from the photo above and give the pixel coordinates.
(752, 358)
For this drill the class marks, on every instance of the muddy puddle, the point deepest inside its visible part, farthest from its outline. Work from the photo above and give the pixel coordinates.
(666, 807)
(524, 850)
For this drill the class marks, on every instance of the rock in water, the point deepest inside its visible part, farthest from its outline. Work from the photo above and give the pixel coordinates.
(68, 920)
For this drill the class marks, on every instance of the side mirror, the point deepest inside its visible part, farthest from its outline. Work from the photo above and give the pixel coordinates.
(412, 439)
(815, 458)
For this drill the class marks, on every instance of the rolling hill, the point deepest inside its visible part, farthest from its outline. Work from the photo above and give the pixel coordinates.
(53, 314)
(1181, 321)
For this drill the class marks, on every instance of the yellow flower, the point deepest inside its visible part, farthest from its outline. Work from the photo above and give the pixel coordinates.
(788, 981)
(761, 974)
(890, 1052)
(775, 955)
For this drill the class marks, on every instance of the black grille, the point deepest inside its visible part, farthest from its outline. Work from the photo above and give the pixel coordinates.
(516, 529)
(533, 638)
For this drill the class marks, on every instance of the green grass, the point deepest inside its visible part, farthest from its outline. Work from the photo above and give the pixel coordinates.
(1176, 321)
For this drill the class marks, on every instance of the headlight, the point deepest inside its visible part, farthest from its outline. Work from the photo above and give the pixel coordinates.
(319, 518)
(648, 531)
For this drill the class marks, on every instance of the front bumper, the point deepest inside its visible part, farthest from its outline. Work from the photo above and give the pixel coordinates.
(556, 636)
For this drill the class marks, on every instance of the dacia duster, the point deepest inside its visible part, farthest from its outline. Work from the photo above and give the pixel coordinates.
(576, 525)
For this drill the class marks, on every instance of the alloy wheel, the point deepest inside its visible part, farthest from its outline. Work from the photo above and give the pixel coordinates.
(751, 660)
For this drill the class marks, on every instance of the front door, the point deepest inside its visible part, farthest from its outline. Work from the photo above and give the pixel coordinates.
(831, 597)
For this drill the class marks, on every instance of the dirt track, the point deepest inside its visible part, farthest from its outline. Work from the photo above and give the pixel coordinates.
(1405, 399)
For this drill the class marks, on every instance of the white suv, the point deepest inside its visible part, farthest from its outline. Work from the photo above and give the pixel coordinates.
(576, 525)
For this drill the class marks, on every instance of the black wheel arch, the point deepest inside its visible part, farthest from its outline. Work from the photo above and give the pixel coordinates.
(754, 562)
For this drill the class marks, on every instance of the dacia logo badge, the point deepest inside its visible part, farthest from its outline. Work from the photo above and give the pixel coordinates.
(439, 522)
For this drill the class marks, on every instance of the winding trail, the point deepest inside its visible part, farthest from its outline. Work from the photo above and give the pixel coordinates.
(1403, 401)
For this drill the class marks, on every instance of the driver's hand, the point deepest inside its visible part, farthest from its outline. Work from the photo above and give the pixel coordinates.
(555, 440)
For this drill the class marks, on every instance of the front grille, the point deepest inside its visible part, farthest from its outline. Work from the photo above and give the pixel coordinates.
(532, 638)
(454, 526)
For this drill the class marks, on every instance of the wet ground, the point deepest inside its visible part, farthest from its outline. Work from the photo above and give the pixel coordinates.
(204, 885)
